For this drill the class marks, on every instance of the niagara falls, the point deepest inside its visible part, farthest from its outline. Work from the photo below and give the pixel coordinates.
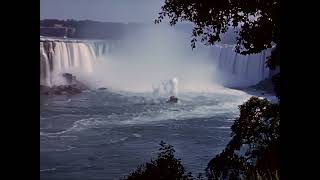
(111, 92)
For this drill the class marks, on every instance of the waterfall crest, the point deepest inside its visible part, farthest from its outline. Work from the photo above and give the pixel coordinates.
(80, 57)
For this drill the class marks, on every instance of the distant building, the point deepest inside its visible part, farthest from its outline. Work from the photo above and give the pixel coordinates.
(58, 25)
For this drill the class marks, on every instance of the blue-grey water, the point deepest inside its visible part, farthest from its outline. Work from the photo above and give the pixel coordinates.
(100, 134)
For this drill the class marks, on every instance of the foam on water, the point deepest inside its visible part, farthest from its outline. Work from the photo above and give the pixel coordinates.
(137, 135)
(50, 169)
(116, 127)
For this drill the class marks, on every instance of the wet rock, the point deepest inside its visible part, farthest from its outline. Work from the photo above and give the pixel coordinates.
(102, 88)
(172, 99)
(73, 87)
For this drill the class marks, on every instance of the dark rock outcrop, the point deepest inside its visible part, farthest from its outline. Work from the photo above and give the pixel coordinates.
(265, 85)
(73, 82)
(59, 90)
(172, 99)
(73, 86)
(69, 78)
(102, 88)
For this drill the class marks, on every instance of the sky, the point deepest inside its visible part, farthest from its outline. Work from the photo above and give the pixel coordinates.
(101, 10)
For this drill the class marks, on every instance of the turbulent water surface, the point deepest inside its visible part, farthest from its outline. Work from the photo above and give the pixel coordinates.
(101, 134)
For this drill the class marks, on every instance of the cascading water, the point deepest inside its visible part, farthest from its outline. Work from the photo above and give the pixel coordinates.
(57, 57)
(237, 69)
(81, 58)
(45, 75)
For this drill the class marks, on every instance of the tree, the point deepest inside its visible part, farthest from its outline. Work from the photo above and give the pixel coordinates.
(258, 20)
(255, 143)
(165, 167)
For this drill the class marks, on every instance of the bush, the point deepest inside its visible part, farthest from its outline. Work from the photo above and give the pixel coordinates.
(255, 144)
(165, 167)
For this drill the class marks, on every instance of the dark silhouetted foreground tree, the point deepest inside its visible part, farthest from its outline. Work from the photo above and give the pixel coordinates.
(165, 167)
(257, 22)
(254, 147)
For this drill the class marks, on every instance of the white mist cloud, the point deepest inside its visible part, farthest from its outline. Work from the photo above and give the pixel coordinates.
(154, 55)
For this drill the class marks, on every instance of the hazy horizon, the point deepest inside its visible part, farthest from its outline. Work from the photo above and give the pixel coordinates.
(121, 11)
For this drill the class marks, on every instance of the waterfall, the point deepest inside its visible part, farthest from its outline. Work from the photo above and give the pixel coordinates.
(57, 57)
(45, 75)
(79, 57)
(237, 69)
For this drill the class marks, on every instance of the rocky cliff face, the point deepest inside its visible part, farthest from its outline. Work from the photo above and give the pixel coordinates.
(265, 85)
